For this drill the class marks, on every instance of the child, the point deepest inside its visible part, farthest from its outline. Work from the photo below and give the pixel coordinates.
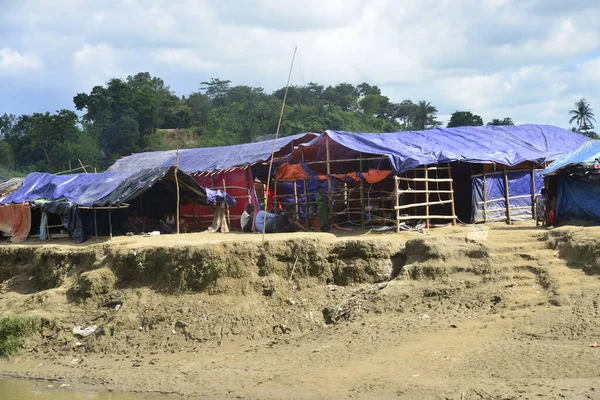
(322, 210)
(541, 203)
(247, 218)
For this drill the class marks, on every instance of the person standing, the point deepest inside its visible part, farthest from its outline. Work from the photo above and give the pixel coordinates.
(322, 210)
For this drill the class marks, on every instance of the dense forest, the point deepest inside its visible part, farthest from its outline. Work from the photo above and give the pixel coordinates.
(132, 115)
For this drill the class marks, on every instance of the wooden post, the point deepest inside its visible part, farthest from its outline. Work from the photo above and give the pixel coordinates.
(427, 196)
(177, 188)
(95, 224)
(274, 196)
(362, 194)
(452, 195)
(331, 202)
(397, 202)
(226, 204)
(533, 210)
(110, 221)
(484, 197)
(506, 196)
(305, 184)
(296, 196)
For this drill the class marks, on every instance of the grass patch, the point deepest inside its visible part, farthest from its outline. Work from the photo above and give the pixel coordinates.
(13, 331)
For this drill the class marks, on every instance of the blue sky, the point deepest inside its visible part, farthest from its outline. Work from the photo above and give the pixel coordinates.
(528, 59)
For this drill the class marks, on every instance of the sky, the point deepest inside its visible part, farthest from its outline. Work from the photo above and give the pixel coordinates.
(525, 59)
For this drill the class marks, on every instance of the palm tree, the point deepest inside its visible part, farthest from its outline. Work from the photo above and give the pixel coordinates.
(583, 115)
(425, 115)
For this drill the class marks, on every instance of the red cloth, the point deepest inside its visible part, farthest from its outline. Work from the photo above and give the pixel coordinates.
(16, 220)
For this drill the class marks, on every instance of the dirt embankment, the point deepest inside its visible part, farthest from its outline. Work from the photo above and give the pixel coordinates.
(484, 314)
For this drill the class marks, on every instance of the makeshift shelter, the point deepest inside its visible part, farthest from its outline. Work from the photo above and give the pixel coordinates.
(574, 181)
(232, 169)
(9, 186)
(492, 171)
(71, 196)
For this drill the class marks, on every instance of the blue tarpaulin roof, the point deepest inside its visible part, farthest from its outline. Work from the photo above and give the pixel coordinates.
(209, 159)
(506, 145)
(102, 189)
(587, 153)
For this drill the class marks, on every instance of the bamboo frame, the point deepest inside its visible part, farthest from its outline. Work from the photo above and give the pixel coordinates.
(453, 204)
(506, 197)
(95, 225)
(397, 201)
(425, 181)
(177, 189)
(426, 197)
(362, 193)
(305, 189)
(424, 204)
(533, 210)
(484, 197)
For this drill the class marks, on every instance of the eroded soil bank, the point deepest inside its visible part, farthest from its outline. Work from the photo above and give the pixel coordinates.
(506, 312)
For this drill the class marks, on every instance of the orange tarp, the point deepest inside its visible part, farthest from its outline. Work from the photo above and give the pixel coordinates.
(375, 175)
(291, 172)
(15, 219)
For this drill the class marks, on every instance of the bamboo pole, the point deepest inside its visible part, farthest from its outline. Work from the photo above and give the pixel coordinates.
(226, 204)
(452, 195)
(287, 86)
(426, 204)
(362, 194)
(95, 225)
(484, 196)
(330, 195)
(506, 197)
(177, 188)
(110, 221)
(296, 196)
(305, 184)
(82, 167)
(533, 210)
(427, 197)
(397, 201)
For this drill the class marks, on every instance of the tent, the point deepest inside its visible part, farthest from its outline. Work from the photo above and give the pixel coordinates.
(489, 168)
(66, 195)
(574, 180)
(232, 169)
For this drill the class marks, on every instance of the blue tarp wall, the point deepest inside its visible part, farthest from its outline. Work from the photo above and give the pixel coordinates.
(519, 191)
(578, 198)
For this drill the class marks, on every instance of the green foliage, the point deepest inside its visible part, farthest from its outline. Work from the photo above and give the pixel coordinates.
(124, 116)
(424, 115)
(583, 115)
(500, 122)
(464, 118)
(13, 331)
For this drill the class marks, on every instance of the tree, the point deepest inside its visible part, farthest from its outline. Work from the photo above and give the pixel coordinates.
(406, 112)
(6, 154)
(583, 115)
(464, 118)
(500, 122)
(424, 116)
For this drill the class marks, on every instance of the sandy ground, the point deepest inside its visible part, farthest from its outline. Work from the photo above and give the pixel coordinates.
(521, 331)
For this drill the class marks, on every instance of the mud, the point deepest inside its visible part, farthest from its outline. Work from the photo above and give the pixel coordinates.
(471, 313)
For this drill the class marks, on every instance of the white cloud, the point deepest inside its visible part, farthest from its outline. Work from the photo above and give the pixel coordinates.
(95, 64)
(13, 62)
(529, 60)
(590, 71)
